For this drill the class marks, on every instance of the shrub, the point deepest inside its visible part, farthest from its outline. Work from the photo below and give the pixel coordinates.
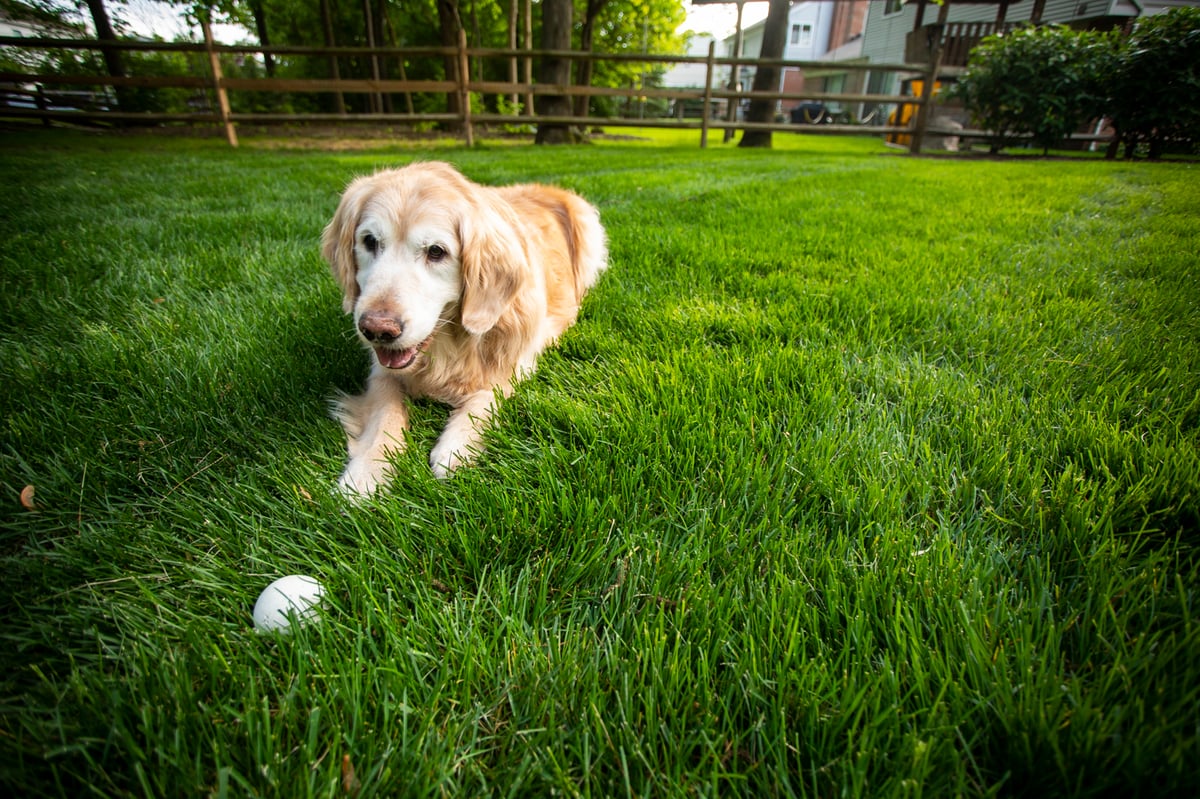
(1154, 83)
(1039, 83)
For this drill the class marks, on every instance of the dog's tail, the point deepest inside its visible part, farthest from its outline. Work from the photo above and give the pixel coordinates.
(588, 244)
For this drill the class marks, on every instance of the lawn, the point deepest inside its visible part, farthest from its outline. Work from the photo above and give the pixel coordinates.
(860, 474)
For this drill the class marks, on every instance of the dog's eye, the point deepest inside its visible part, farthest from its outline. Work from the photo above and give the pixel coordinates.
(371, 243)
(435, 252)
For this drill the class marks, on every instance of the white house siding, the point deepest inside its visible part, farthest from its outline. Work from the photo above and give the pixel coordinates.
(884, 31)
(985, 12)
(818, 14)
(691, 76)
(883, 43)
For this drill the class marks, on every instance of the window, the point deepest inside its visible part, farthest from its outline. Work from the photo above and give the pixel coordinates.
(893, 7)
(802, 35)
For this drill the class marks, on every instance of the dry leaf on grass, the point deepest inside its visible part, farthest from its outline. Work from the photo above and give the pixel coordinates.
(350, 783)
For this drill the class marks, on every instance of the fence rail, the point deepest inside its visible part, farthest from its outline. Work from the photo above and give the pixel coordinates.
(27, 94)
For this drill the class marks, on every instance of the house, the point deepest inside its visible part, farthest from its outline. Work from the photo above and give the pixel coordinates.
(900, 31)
(691, 75)
(818, 30)
(906, 31)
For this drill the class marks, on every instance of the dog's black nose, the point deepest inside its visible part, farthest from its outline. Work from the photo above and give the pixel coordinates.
(380, 328)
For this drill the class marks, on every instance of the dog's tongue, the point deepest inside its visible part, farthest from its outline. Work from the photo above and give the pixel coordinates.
(396, 359)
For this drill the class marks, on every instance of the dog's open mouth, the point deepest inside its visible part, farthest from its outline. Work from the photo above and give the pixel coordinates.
(400, 359)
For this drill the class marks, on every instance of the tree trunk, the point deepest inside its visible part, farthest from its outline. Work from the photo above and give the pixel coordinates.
(389, 32)
(448, 25)
(586, 40)
(513, 100)
(264, 38)
(113, 62)
(527, 62)
(380, 21)
(376, 99)
(766, 79)
(104, 32)
(1155, 151)
(339, 99)
(556, 35)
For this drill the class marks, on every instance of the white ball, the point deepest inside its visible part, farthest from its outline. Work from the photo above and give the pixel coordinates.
(289, 599)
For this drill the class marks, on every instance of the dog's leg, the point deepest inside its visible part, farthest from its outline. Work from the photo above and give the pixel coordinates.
(462, 438)
(374, 423)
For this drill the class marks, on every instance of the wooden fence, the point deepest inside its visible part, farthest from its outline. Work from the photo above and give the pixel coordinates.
(41, 96)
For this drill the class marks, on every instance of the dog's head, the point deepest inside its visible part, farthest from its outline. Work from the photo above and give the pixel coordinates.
(418, 248)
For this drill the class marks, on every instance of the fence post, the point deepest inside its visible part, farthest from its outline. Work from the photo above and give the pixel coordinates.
(925, 109)
(464, 92)
(708, 79)
(218, 86)
(43, 104)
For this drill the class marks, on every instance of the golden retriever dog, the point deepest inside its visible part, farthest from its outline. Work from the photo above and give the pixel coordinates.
(456, 288)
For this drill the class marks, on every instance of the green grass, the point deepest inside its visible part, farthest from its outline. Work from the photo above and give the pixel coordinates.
(859, 475)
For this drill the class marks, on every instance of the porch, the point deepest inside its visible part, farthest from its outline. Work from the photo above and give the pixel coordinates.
(958, 39)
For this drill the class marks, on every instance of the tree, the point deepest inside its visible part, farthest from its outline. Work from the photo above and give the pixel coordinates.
(628, 27)
(556, 35)
(766, 78)
(113, 61)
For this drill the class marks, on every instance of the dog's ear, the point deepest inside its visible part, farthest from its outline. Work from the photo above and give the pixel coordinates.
(494, 263)
(337, 241)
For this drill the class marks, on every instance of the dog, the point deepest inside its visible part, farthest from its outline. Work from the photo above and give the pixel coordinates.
(456, 288)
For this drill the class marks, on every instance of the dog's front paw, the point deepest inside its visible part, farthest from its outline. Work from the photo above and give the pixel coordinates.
(362, 479)
(461, 441)
(446, 458)
(449, 454)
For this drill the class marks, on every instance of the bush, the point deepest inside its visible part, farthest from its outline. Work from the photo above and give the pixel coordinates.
(1037, 83)
(1041, 84)
(1154, 83)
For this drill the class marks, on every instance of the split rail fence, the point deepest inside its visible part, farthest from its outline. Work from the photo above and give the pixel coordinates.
(48, 96)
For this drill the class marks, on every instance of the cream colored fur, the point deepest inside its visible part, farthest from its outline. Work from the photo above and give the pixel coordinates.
(457, 288)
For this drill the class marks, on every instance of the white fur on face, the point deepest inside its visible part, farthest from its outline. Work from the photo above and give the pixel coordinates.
(413, 273)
